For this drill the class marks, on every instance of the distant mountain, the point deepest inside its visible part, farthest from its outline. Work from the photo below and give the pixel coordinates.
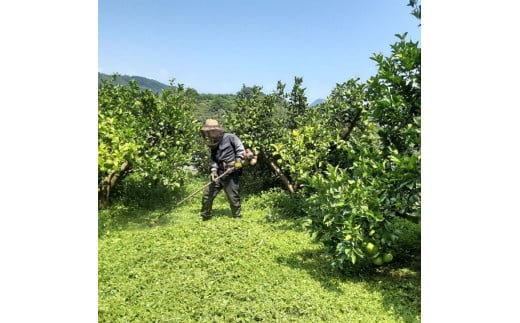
(157, 87)
(142, 82)
(316, 102)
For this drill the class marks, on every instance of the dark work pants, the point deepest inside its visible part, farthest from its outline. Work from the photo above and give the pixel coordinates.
(231, 185)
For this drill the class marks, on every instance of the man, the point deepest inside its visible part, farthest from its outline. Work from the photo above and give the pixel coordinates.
(226, 156)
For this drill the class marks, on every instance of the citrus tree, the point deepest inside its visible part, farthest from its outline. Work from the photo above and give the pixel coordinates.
(142, 133)
(356, 159)
(395, 93)
(260, 121)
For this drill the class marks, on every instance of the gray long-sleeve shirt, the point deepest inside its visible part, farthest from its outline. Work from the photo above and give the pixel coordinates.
(229, 149)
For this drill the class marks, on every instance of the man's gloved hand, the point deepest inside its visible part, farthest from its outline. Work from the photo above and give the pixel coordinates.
(238, 165)
(213, 176)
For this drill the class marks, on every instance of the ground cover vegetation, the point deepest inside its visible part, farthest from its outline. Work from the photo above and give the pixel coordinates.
(331, 228)
(262, 268)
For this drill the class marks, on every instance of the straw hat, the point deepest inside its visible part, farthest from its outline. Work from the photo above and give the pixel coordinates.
(210, 124)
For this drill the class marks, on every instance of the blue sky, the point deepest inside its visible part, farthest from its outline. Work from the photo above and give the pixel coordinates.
(217, 46)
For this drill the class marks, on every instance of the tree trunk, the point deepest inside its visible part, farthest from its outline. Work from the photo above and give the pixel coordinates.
(346, 132)
(108, 184)
(284, 178)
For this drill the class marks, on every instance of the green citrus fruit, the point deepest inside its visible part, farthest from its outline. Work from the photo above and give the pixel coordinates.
(387, 257)
(378, 261)
(371, 249)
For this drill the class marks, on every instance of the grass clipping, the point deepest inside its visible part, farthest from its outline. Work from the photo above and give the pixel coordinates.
(261, 268)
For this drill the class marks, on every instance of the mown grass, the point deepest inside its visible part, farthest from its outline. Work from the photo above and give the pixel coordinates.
(166, 265)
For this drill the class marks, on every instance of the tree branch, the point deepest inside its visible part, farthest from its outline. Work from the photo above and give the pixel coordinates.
(284, 178)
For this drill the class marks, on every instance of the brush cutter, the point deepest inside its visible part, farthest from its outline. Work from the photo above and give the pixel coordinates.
(249, 159)
(229, 170)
